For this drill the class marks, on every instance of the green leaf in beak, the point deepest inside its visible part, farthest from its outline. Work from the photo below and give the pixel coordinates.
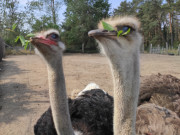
(119, 33)
(107, 26)
(127, 32)
(30, 35)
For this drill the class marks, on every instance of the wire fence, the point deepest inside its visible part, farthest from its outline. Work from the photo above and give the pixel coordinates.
(162, 50)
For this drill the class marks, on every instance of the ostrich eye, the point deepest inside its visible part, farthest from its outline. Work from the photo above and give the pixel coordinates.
(54, 36)
(123, 30)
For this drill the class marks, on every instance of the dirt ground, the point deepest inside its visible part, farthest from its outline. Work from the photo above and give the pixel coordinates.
(24, 86)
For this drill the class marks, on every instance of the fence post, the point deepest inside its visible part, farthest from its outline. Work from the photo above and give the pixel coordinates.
(179, 49)
(167, 48)
(142, 48)
(158, 49)
(150, 50)
(161, 50)
(83, 48)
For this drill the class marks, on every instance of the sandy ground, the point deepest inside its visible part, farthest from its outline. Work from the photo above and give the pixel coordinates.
(24, 86)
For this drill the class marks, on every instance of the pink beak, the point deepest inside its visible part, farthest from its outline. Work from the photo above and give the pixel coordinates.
(42, 40)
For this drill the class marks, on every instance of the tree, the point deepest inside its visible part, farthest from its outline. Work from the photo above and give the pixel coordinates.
(43, 23)
(150, 15)
(171, 14)
(81, 17)
(9, 16)
(43, 14)
(53, 6)
(125, 8)
(160, 21)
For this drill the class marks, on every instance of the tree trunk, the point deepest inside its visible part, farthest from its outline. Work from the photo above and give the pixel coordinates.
(171, 28)
(82, 47)
(53, 11)
(161, 33)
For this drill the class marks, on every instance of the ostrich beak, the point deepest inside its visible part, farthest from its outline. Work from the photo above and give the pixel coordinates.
(100, 32)
(39, 40)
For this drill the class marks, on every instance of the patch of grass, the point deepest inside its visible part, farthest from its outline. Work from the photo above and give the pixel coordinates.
(173, 51)
(18, 52)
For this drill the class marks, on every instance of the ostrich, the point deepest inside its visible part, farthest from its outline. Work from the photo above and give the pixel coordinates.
(162, 90)
(152, 119)
(90, 113)
(123, 55)
(158, 112)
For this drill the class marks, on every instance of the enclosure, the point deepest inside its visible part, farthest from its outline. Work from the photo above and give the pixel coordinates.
(24, 85)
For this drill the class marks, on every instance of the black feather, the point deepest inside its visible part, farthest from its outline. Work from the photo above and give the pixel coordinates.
(91, 113)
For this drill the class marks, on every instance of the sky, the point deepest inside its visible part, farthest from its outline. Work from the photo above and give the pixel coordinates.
(114, 3)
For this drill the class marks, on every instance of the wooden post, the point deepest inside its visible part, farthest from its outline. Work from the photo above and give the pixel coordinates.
(161, 50)
(179, 49)
(142, 48)
(164, 50)
(83, 48)
(167, 48)
(150, 50)
(158, 49)
(2, 49)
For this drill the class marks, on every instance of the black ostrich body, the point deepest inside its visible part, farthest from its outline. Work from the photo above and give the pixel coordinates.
(91, 114)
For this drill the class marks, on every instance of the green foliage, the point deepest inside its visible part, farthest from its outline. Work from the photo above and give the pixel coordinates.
(11, 21)
(81, 17)
(43, 23)
(22, 39)
(24, 42)
(125, 8)
(14, 26)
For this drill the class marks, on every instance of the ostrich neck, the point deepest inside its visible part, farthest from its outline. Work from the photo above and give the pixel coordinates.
(125, 72)
(58, 97)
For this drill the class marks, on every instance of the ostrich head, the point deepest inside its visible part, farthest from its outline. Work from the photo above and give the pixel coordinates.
(124, 45)
(48, 44)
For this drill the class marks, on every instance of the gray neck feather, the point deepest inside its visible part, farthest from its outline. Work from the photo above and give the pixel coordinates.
(125, 71)
(58, 97)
